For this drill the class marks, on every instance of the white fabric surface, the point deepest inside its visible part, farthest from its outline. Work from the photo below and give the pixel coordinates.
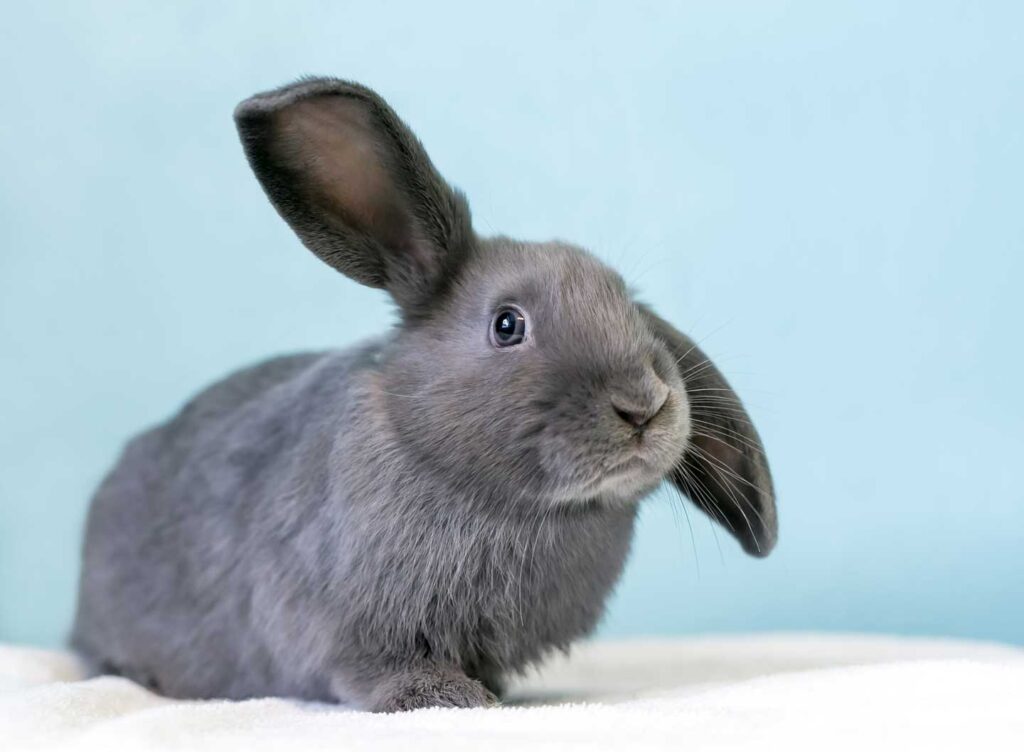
(791, 692)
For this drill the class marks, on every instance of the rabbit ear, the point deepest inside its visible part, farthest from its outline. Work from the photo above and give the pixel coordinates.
(356, 186)
(723, 468)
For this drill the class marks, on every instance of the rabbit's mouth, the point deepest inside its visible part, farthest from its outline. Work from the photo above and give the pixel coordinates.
(613, 462)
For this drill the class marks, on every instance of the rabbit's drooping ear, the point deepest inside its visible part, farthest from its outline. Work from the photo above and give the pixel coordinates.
(723, 468)
(356, 186)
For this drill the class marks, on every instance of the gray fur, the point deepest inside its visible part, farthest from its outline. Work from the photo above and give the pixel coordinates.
(404, 523)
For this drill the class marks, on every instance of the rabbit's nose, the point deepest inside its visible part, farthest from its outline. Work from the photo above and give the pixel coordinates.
(638, 407)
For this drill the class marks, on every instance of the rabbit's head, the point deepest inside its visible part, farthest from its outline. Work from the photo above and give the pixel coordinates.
(523, 371)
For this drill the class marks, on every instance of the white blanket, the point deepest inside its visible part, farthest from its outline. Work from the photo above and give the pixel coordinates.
(792, 692)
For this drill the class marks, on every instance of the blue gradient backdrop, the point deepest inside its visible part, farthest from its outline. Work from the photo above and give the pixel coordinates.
(828, 194)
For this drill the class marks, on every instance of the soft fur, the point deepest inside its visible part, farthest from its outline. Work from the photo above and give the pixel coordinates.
(403, 523)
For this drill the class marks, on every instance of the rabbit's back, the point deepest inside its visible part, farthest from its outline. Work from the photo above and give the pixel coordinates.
(173, 531)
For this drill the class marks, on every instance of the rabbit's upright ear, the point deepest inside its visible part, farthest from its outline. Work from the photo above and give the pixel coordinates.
(356, 186)
(723, 468)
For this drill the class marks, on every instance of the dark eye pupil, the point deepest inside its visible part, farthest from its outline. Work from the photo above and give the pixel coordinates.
(509, 328)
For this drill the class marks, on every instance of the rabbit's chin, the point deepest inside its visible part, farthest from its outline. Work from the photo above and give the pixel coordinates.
(626, 482)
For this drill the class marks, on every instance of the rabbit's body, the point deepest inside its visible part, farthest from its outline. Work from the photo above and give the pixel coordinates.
(402, 524)
(306, 572)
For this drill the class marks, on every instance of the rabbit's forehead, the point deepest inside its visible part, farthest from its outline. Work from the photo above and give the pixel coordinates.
(555, 277)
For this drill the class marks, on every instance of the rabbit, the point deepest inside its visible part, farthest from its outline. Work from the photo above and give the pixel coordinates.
(409, 522)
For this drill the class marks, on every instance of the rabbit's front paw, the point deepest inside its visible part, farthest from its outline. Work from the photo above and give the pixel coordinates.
(429, 687)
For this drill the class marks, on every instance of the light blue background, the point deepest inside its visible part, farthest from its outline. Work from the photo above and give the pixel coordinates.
(829, 194)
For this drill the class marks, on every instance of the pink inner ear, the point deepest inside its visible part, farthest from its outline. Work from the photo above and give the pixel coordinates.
(329, 143)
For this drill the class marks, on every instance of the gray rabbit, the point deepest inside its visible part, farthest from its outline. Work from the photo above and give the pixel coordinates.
(405, 523)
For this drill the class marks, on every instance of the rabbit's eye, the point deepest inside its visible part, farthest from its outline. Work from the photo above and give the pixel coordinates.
(509, 327)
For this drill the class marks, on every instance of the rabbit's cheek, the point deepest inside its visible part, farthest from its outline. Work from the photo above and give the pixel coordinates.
(669, 438)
